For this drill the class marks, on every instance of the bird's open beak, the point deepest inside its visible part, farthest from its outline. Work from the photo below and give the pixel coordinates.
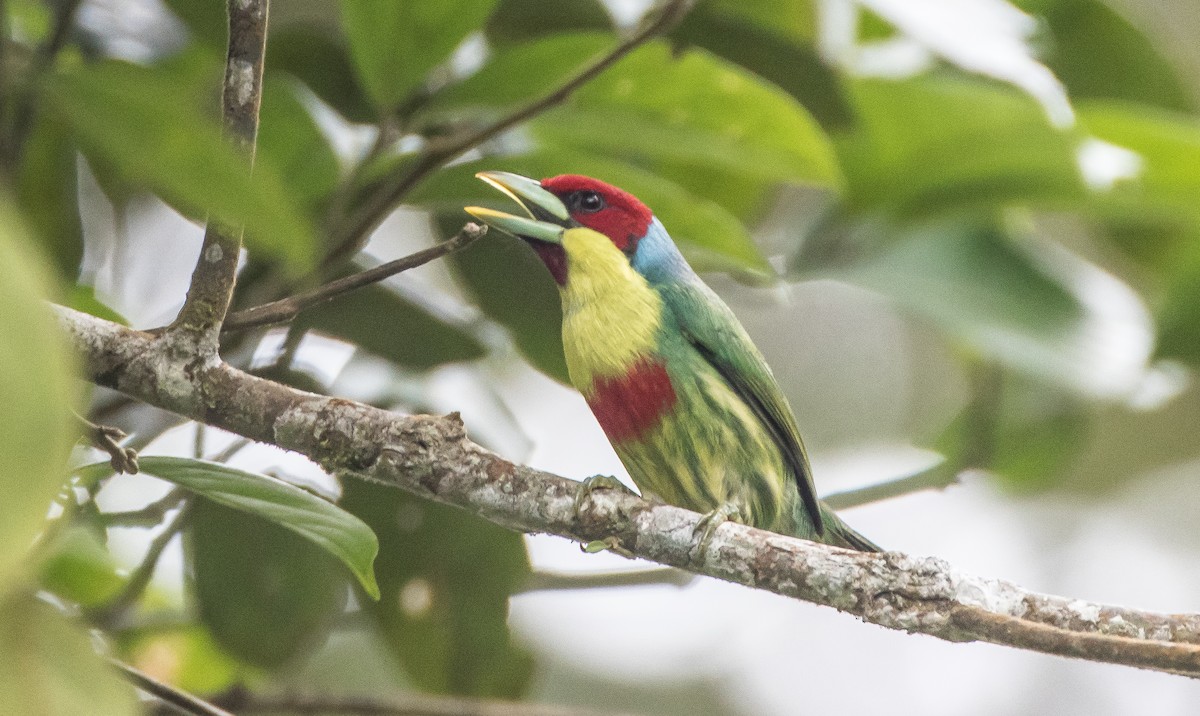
(548, 217)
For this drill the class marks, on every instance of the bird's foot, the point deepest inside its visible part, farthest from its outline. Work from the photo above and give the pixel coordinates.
(608, 544)
(591, 484)
(597, 482)
(708, 524)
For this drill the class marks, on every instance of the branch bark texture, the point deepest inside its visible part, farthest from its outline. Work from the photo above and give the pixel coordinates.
(211, 289)
(431, 456)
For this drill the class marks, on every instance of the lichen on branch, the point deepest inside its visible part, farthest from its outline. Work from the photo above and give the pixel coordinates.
(432, 456)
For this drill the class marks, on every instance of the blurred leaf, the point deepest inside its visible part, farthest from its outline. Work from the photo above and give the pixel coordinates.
(1097, 54)
(793, 66)
(1169, 144)
(143, 124)
(83, 298)
(1026, 432)
(50, 668)
(266, 594)
(516, 21)
(207, 20)
(322, 62)
(1179, 311)
(1155, 216)
(37, 392)
(381, 321)
(291, 141)
(697, 224)
(515, 76)
(80, 569)
(976, 284)
(933, 145)
(796, 19)
(30, 20)
(324, 524)
(46, 193)
(446, 577)
(186, 657)
(395, 44)
(697, 108)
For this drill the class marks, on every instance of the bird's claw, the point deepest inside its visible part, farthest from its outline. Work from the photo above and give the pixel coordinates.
(597, 482)
(608, 544)
(591, 484)
(706, 528)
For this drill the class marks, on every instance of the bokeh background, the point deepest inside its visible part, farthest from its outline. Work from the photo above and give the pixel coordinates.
(965, 234)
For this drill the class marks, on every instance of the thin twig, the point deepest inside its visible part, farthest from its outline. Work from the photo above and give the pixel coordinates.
(544, 580)
(211, 288)
(181, 701)
(391, 191)
(243, 702)
(975, 452)
(938, 477)
(107, 438)
(148, 516)
(284, 310)
(117, 607)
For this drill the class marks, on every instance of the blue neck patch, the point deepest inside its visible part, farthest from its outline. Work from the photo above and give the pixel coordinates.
(657, 258)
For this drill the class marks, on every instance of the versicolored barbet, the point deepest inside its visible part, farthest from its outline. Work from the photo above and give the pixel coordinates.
(684, 396)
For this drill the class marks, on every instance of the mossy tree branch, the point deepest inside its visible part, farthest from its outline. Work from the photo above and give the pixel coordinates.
(432, 457)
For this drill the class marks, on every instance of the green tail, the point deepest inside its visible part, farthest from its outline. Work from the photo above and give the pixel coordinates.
(840, 534)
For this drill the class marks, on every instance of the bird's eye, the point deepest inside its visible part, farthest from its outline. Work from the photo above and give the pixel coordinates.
(588, 202)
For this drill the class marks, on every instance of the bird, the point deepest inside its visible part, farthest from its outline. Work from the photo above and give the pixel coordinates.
(682, 393)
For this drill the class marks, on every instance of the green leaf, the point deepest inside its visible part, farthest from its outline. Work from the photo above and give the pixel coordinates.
(50, 668)
(381, 321)
(324, 524)
(291, 141)
(796, 19)
(191, 658)
(83, 298)
(515, 76)
(47, 194)
(516, 21)
(446, 576)
(394, 45)
(1169, 143)
(973, 281)
(322, 62)
(1027, 432)
(701, 227)
(791, 64)
(268, 604)
(80, 569)
(36, 390)
(1098, 54)
(207, 21)
(935, 145)
(1178, 314)
(145, 126)
(695, 107)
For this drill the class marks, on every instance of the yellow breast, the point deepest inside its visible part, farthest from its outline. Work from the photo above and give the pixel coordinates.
(611, 316)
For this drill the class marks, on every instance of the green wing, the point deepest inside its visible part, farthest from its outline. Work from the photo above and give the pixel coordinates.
(712, 329)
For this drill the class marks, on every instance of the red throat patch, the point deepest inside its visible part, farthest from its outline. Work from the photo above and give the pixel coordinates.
(630, 406)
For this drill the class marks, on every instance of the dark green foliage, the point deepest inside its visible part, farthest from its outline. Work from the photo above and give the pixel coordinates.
(445, 577)
(266, 594)
(948, 196)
